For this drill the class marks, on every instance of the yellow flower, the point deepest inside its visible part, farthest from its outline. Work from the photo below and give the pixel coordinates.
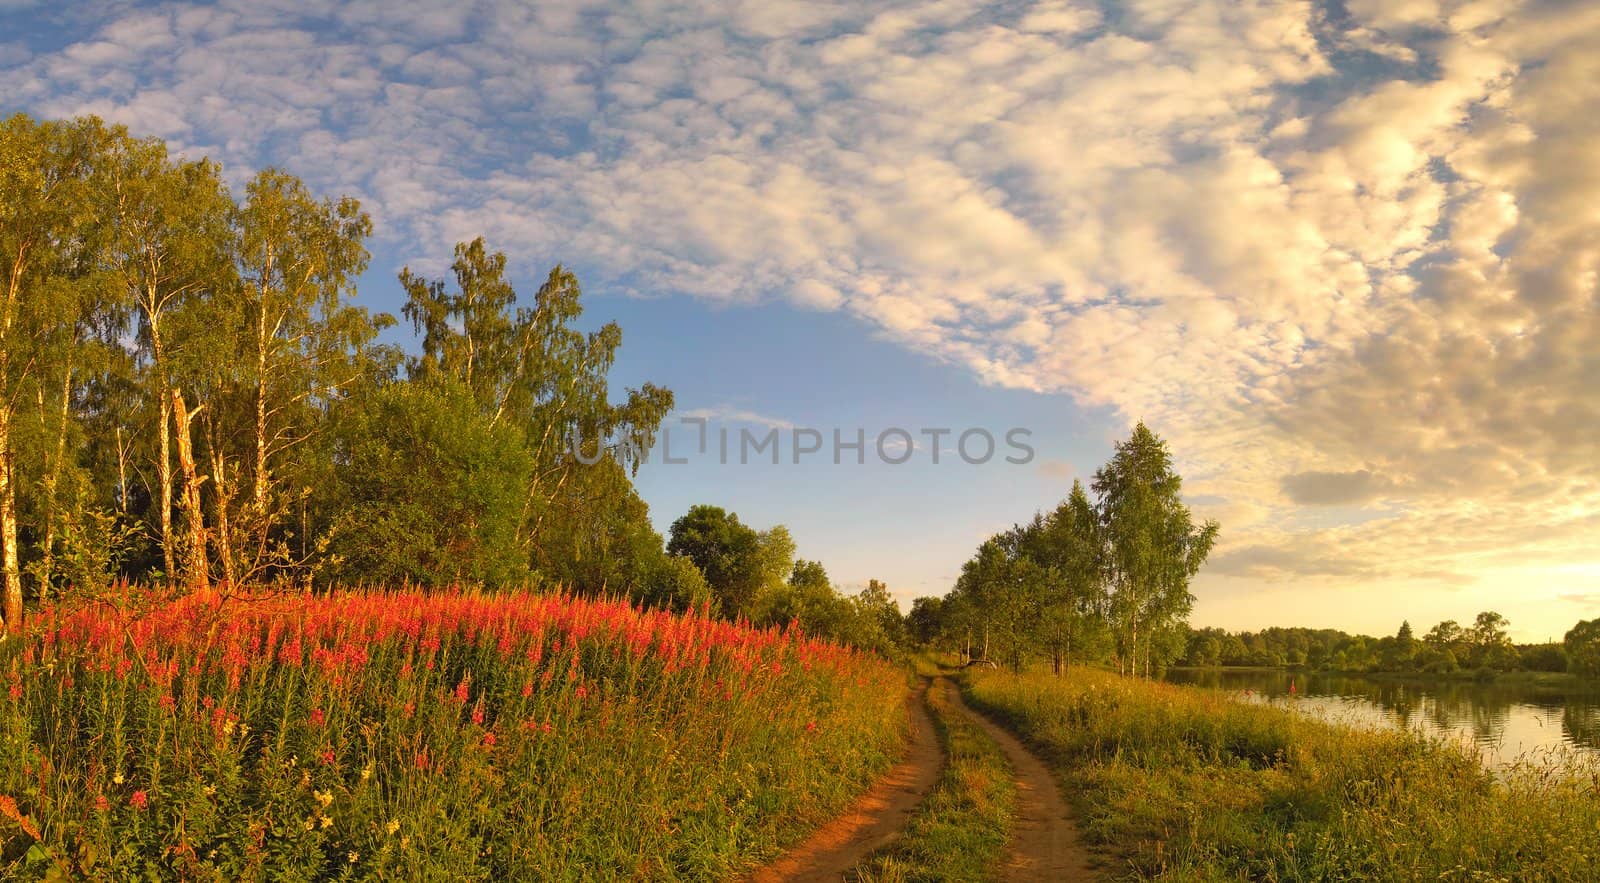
(366, 773)
(326, 821)
(354, 856)
(394, 825)
(323, 797)
(311, 823)
(117, 779)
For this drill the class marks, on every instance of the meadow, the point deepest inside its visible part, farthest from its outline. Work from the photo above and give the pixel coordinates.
(410, 735)
(1186, 784)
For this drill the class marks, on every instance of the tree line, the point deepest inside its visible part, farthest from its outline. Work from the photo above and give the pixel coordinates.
(1448, 647)
(1101, 579)
(189, 396)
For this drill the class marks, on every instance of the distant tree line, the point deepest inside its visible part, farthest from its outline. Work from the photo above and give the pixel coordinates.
(190, 396)
(1102, 579)
(1447, 647)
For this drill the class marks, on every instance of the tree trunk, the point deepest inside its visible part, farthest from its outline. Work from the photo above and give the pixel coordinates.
(260, 490)
(169, 555)
(53, 475)
(195, 565)
(12, 568)
(223, 497)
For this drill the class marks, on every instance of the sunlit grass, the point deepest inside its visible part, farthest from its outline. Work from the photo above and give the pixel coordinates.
(1188, 784)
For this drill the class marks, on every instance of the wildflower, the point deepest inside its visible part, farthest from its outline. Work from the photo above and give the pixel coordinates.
(139, 800)
(811, 726)
(209, 790)
(311, 823)
(366, 772)
(102, 804)
(323, 797)
(405, 842)
(461, 691)
(327, 757)
(488, 740)
(317, 717)
(117, 779)
(354, 857)
(393, 826)
(477, 713)
(16, 691)
(326, 821)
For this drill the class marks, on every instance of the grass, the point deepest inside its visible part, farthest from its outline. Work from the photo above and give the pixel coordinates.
(398, 735)
(1185, 784)
(959, 832)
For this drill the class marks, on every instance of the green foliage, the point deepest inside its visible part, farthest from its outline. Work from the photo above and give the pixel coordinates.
(1088, 577)
(742, 565)
(1189, 784)
(1582, 644)
(427, 489)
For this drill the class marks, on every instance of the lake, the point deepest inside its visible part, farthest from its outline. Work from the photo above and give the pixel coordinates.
(1504, 722)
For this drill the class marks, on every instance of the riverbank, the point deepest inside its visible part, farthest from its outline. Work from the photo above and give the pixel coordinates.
(1186, 782)
(1556, 683)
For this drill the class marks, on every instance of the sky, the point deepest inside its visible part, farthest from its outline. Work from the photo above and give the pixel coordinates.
(1343, 256)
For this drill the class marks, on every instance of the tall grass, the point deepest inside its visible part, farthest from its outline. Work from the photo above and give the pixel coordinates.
(1183, 783)
(423, 736)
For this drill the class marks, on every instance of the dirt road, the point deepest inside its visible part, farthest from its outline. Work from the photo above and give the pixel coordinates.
(875, 819)
(1044, 846)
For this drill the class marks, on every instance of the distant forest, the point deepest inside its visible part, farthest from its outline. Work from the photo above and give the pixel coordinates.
(1481, 646)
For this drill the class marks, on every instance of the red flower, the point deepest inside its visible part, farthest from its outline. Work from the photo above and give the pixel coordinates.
(327, 757)
(477, 713)
(102, 804)
(811, 726)
(139, 800)
(488, 739)
(317, 717)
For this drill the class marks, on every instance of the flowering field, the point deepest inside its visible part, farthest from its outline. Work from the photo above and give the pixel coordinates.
(406, 735)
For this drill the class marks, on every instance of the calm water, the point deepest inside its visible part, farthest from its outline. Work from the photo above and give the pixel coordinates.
(1503, 722)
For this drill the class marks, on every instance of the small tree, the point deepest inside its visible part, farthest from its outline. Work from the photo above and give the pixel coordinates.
(1582, 644)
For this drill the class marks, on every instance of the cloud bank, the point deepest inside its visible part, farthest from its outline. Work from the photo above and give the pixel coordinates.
(1342, 255)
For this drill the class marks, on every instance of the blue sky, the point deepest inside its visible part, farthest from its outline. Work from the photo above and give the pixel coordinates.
(1342, 255)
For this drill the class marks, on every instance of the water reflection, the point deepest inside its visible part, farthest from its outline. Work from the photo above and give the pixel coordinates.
(1505, 722)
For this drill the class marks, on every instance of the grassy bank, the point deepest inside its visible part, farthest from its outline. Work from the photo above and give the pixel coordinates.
(1187, 784)
(959, 833)
(410, 736)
